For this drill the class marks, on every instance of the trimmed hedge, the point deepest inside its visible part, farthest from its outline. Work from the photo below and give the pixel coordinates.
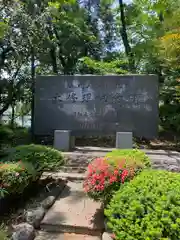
(147, 208)
(42, 157)
(15, 177)
(135, 154)
(25, 164)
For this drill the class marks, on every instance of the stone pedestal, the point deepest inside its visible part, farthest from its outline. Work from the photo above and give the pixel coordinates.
(62, 140)
(124, 140)
(72, 142)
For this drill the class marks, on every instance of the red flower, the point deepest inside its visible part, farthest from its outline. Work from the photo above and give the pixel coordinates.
(116, 172)
(112, 179)
(124, 174)
(101, 174)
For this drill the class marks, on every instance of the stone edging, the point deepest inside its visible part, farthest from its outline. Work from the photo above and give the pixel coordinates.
(33, 217)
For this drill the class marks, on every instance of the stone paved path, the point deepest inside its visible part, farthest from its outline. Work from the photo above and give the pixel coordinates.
(74, 212)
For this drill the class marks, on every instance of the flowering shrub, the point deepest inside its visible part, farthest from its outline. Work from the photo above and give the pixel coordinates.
(15, 177)
(105, 176)
(147, 208)
(42, 157)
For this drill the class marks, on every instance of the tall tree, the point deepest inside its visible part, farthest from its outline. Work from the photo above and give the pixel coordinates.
(124, 35)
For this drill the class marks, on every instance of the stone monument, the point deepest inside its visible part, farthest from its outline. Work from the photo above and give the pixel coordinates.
(88, 105)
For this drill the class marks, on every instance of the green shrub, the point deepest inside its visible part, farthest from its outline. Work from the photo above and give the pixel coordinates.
(136, 154)
(6, 134)
(42, 157)
(15, 177)
(147, 208)
(106, 175)
(12, 137)
(21, 135)
(3, 233)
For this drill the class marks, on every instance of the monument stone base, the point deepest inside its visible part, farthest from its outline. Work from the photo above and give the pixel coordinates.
(124, 140)
(63, 140)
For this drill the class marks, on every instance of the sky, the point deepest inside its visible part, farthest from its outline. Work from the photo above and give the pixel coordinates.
(125, 1)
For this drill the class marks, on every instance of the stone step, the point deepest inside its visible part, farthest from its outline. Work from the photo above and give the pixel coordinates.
(74, 212)
(100, 151)
(65, 236)
(160, 152)
(64, 175)
(79, 160)
(73, 163)
(69, 169)
(89, 154)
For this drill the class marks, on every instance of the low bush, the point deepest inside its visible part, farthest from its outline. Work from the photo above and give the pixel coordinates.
(42, 157)
(3, 233)
(15, 177)
(106, 175)
(136, 154)
(147, 208)
(21, 135)
(11, 137)
(6, 135)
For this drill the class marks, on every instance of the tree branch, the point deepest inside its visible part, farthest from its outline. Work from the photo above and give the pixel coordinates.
(4, 54)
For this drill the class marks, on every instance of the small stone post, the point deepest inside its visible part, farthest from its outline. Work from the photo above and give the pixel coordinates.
(62, 140)
(124, 140)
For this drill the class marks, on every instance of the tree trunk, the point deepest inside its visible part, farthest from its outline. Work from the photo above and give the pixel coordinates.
(124, 36)
(5, 107)
(9, 99)
(22, 121)
(11, 93)
(32, 91)
(53, 59)
(13, 114)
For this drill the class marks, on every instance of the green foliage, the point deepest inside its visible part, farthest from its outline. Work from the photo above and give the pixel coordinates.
(170, 108)
(3, 29)
(147, 208)
(71, 35)
(15, 177)
(3, 233)
(42, 157)
(10, 137)
(137, 155)
(21, 135)
(6, 134)
(88, 65)
(3, 192)
(170, 117)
